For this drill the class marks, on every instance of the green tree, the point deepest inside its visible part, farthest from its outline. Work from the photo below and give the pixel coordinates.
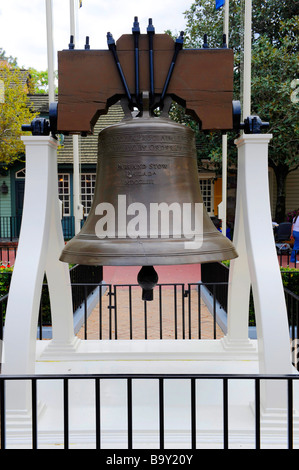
(14, 112)
(39, 81)
(273, 69)
(9, 59)
(274, 66)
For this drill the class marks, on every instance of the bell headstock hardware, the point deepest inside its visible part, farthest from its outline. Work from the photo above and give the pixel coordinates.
(90, 81)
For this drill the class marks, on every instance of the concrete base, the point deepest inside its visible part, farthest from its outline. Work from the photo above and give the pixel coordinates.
(150, 357)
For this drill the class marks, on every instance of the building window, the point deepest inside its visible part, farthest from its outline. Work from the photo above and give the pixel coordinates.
(88, 181)
(64, 192)
(206, 188)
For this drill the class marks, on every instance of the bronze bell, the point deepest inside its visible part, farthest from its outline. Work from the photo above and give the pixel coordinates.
(145, 196)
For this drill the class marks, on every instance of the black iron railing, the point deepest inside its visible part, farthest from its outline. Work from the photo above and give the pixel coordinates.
(284, 258)
(79, 275)
(163, 432)
(3, 303)
(10, 227)
(177, 312)
(216, 275)
(292, 302)
(80, 292)
(68, 227)
(212, 273)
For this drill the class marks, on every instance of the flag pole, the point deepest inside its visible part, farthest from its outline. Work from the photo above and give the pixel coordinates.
(50, 51)
(247, 60)
(78, 213)
(224, 136)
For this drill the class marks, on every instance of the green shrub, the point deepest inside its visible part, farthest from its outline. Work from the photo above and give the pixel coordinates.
(5, 276)
(290, 279)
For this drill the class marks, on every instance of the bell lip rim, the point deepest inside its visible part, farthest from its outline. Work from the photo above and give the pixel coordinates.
(147, 260)
(94, 238)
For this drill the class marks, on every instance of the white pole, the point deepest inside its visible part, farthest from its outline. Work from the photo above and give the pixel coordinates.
(50, 50)
(72, 19)
(224, 137)
(76, 164)
(247, 60)
(226, 20)
(224, 183)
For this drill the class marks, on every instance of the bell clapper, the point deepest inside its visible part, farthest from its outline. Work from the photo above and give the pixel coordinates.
(147, 279)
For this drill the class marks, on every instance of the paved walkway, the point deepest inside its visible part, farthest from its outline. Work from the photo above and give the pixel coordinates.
(144, 321)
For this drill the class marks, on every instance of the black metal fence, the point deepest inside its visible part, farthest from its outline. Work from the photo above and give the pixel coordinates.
(184, 320)
(284, 258)
(10, 227)
(163, 433)
(80, 292)
(292, 302)
(84, 279)
(177, 311)
(216, 273)
(215, 277)
(3, 303)
(68, 227)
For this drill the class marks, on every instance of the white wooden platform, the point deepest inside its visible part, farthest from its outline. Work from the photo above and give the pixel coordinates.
(149, 357)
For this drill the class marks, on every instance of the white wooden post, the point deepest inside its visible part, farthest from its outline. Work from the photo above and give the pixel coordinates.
(78, 207)
(257, 264)
(239, 285)
(223, 208)
(40, 245)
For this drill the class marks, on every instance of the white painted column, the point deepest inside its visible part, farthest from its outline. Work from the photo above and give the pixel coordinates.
(78, 208)
(223, 206)
(270, 306)
(239, 285)
(58, 278)
(247, 59)
(39, 247)
(258, 263)
(50, 50)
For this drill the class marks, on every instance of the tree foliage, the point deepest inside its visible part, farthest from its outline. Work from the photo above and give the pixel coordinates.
(9, 59)
(274, 67)
(40, 81)
(14, 112)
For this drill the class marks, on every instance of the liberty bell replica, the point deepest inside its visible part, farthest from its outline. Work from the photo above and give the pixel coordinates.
(147, 208)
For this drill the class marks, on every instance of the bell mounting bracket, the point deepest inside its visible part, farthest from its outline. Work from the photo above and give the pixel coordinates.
(43, 126)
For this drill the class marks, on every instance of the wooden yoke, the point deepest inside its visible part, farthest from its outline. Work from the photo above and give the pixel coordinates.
(89, 82)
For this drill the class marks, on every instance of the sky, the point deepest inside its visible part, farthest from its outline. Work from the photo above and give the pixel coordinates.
(23, 24)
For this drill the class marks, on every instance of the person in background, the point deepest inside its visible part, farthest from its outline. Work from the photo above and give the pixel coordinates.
(229, 230)
(295, 236)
